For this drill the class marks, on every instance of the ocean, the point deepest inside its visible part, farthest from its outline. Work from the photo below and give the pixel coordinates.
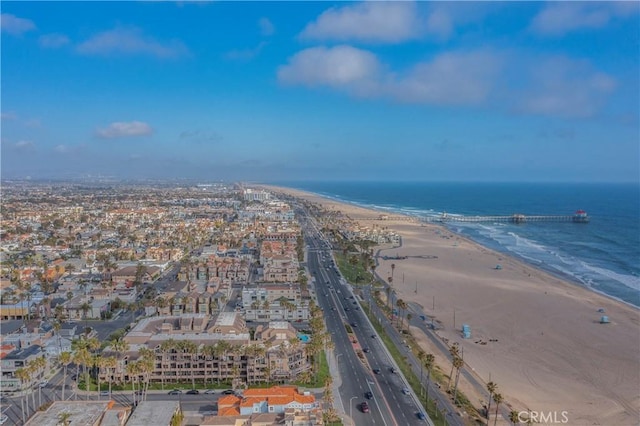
(602, 255)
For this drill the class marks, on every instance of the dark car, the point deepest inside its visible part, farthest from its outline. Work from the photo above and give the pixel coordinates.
(228, 392)
(393, 370)
(364, 407)
(365, 350)
(368, 394)
(193, 392)
(376, 371)
(421, 416)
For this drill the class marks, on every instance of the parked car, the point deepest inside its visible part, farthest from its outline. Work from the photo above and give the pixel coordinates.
(210, 391)
(175, 392)
(364, 407)
(193, 392)
(228, 392)
(104, 393)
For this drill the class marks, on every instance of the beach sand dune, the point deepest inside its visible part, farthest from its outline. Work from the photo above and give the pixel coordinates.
(545, 346)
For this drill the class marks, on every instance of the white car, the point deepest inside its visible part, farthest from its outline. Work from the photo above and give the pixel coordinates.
(3, 419)
(405, 391)
(43, 383)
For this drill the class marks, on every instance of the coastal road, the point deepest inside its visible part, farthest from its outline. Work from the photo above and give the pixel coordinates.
(388, 404)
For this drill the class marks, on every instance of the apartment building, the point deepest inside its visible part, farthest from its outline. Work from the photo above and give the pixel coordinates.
(193, 347)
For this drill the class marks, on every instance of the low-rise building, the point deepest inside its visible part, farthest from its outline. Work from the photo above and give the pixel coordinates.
(85, 413)
(156, 413)
(15, 360)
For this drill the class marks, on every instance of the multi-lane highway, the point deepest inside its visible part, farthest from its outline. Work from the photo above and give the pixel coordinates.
(391, 401)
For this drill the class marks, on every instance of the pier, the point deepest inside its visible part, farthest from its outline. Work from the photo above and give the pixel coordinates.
(578, 217)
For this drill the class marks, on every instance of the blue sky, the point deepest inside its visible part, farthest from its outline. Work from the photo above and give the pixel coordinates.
(262, 91)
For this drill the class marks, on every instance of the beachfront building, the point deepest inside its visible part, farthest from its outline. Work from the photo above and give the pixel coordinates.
(196, 348)
(20, 359)
(274, 302)
(255, 195)
(276, 399)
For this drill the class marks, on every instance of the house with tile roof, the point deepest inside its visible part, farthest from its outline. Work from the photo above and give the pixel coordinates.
(276, 399)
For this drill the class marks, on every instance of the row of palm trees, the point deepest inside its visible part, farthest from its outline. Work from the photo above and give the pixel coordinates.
(31, 371)
(199, 360)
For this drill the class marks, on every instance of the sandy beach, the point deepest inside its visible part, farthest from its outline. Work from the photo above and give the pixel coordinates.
(545, 346)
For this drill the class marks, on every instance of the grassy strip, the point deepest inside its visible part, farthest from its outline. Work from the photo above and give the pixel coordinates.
(357, 273)
(414, 381)
(320, 378)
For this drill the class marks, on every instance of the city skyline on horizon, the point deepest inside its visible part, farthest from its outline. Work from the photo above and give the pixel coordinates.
(297, 91)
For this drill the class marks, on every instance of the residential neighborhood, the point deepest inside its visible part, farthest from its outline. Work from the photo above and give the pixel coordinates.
(198, 287)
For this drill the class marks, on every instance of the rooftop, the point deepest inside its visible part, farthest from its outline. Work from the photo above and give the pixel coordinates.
(82, 413)
(153, 413)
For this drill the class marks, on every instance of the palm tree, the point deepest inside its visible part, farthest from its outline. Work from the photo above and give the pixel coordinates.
(328, 392)
(85, 307)
(98, 362)
(209, 353)
(454, 351)
(498, 399)
(65, 359)
(147, 365)
(63, 418)
(491, 387)
(133, 371)
(514, 417)
(120, 347)
(429, 360)
(109, 363)
(458, 363)
(421, 356)
(24, 376)
(82, 357)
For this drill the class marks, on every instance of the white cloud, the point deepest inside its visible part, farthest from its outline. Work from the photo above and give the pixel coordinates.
(53, 40)
(386, 22)
(124, 129)
(450, 78)
(15, 26)
(131, 41)
(439, 22)
(24, 146)
(266, 26)
(344, 67)
(8, 116)
(61, 149)
(559, 18)
(566, 88)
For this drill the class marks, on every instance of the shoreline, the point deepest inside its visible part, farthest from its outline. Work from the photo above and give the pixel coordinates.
(497, 247)
(550, 352)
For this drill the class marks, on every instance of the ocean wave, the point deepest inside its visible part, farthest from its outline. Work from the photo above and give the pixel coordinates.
(630, 281)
